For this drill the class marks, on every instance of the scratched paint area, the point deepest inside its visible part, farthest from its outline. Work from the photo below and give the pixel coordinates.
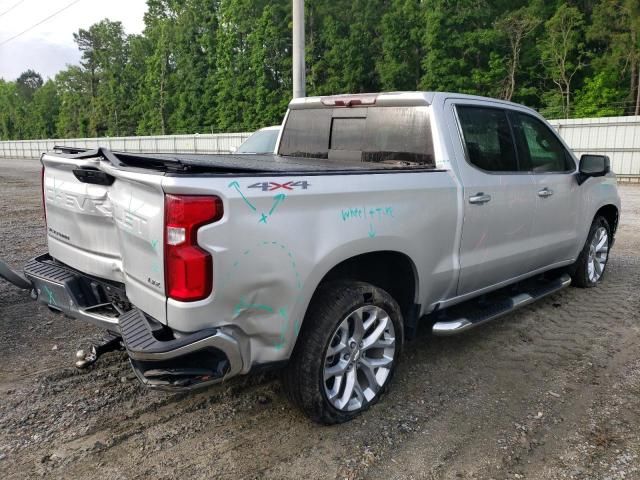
(373, 216)
(242, 268)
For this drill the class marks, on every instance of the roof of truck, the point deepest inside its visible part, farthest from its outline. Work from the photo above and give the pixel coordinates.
(387, 99)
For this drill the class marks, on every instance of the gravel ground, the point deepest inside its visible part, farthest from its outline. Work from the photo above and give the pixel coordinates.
(551, 391)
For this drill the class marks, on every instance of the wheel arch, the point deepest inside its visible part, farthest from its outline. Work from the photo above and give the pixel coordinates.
(393, 271)
(611, 214)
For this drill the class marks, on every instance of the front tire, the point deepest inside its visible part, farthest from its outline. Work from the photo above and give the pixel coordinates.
(347, 351)
(592, 262)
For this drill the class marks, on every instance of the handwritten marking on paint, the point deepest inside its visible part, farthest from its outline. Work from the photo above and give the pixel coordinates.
(277, 200)
(372, 215)
(52, 298)
(236, 185)
(367, 213)
(283, 331)
(264, 217)
(154, 245)
(242, 305)
(155, 267)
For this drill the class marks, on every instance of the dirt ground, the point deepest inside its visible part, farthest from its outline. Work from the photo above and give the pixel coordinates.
(551, 391)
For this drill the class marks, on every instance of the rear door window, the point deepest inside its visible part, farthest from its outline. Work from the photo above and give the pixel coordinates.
(487, 138)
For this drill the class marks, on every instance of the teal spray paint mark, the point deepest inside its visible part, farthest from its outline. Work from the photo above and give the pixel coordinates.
(52, 298)
(129, 213)
(372, 215)
(154, 245)
(236, 185)
(155, 268)
(283, 331)
(242, 305)
(277, 200)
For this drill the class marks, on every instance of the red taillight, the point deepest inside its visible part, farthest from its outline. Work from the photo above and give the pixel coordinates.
(188, 269)
(44, 200)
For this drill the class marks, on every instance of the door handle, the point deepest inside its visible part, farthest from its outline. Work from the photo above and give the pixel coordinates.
(545, 192)
(480, 198)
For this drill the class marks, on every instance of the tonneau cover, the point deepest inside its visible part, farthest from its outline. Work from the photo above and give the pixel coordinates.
(223, 163)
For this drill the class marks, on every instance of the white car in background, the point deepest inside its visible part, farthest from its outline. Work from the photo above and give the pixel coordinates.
(261, 141)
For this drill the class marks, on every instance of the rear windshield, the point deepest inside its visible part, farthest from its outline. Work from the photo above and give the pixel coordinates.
(400, 135)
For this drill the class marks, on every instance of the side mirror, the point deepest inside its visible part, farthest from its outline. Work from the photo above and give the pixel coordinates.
(593, 166)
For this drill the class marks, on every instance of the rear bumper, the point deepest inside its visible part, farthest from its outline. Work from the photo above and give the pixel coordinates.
(160, 357)
(201, 358)
(68, 291)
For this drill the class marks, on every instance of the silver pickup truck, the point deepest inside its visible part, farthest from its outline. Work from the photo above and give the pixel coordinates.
(379, 212)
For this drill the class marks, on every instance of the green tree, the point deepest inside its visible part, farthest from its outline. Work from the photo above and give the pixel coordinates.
(105, 50)
(616, 32)
(74, 91)
(272, 65)
(462, 46)
(516, 25)
(563, 54)
(401, 28)
(28, 83)
(599, 97)
(156, 92)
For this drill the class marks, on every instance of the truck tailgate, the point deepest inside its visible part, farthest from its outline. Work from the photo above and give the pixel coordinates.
(108, 223)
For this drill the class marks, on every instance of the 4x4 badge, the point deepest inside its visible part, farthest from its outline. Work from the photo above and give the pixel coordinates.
(290, 185)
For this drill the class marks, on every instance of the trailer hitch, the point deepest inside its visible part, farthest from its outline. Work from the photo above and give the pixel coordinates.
(110, 343)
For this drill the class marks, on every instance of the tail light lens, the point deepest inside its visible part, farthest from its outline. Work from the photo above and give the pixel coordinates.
(188, 269)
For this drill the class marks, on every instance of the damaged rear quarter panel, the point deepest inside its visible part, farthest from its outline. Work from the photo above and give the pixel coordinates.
(274, 244)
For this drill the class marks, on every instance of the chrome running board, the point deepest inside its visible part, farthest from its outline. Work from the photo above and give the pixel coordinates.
(474, 313)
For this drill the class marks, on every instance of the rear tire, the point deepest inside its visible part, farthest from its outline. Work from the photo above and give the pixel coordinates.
(590, 266)
(347, 351)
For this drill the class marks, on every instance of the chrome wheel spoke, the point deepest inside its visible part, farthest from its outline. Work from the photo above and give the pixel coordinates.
(370, 375)
(382, 362)
(335, 389)
(335, 370)
(359, 394)
(358, 326)
(373, 316)
(376, 334)
(349, 384)
(598, 267)
(340, 340)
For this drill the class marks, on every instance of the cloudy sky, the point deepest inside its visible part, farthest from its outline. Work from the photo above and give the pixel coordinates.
(48, 47)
